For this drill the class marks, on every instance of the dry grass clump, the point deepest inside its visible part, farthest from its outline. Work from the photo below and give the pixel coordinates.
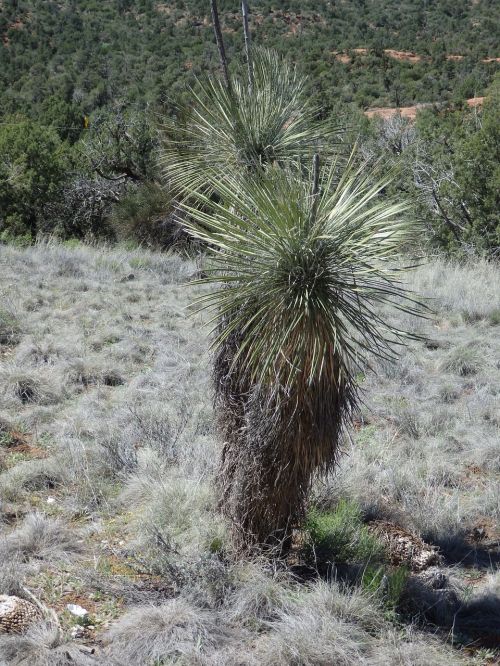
(42, 538)
(432, 597)
(173, 514)
(10, 329)
(258, 594)
(310, 635)
(32, 475)
(11, 575)
(323, 624)
(465, 360)
(469, 289)
(174, 632)
(408, 647)
(6, 429)
(425, 448)
(44, 351)
(19, 387)
(42, 645)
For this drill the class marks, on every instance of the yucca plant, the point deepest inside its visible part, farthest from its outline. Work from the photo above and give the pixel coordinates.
(232, 127)
(298, 282)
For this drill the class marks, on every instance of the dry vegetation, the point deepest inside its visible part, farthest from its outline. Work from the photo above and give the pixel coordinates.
(107, 461)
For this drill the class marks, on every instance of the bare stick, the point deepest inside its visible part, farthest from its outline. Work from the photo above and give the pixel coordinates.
(315, 187)
(220, 42)
(246, 30)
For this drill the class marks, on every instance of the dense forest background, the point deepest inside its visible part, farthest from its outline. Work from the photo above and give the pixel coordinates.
(88, 52)
(84, 85)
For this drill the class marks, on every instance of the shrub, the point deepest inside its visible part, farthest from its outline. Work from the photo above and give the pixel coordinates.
(222, 131)
(33, 167)
(83, 209)
(31, 475)
(259, 594)
(457, 169)
(146, 215)
(295, 318)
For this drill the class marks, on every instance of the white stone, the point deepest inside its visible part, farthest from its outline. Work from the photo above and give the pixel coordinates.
(77, 610)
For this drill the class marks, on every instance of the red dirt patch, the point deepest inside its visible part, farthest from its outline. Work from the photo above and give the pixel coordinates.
(387, 112)
(485, 530)
(32, 451)
(16, 438)
(20, 442)
(404, 56)
(407, 56)
(475, 101)
(77, 599)
(17, 25)
(410, 112)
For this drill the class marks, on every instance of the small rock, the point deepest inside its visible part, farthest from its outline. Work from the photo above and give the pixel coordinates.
(77, 632)
(77, 610)
(51, 500)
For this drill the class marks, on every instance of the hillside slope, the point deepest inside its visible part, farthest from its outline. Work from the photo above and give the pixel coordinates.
(93, 52)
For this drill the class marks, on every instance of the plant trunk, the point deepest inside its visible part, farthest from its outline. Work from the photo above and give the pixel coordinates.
(246, 31)
(274, 445)
(220, 42)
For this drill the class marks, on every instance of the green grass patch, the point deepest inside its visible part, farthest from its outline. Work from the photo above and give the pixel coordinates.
(340, 536)
(388, 584)
(494, 317)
